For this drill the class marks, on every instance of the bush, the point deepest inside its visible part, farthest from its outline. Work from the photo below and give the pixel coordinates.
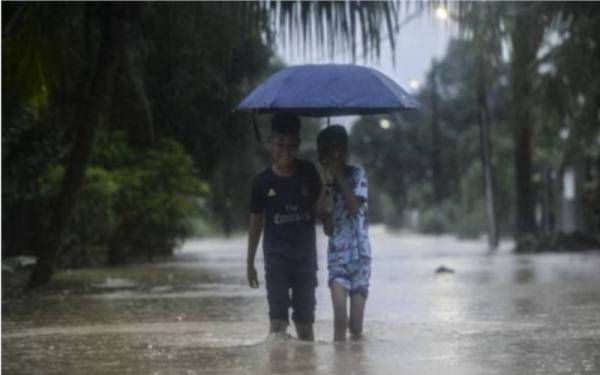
(465, 222)
(93, 220)
(132, 202)
(564, 242)
(469, 224)
(433, 221)
(155, 202)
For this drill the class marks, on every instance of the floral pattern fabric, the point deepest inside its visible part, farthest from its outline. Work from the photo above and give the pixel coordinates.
(349, 243)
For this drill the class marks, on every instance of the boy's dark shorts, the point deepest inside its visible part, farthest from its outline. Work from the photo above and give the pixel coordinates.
(289, 286)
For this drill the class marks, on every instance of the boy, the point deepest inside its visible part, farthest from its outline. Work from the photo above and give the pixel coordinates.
(283, 198)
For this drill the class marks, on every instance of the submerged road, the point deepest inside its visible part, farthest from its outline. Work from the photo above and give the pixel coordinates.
(499, 313)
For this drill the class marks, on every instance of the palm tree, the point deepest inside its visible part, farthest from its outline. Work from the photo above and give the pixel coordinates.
(486, 32)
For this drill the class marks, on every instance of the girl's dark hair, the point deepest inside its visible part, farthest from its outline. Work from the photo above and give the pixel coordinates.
(332, 136)
(286, 124)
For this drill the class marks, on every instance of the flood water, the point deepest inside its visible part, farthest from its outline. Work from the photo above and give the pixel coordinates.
(498, 313)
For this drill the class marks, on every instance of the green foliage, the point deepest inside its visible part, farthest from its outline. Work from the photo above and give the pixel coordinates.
(196, 72)
(432, 221)
(464, 217)
(155, 200)
(29, 147)
(94, 219)
(32, 61)
(334, 26)
(133, 202)
(576, 241)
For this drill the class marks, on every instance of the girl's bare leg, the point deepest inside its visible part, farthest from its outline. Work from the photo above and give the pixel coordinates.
(357, 310)
(339, 295)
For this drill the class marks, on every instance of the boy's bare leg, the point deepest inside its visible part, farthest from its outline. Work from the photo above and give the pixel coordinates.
(339, 295)
(278, 326)
(357, 310)
(305, 331)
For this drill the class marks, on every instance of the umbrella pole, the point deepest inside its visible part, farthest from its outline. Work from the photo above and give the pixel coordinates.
(328, 120)
(256, 132)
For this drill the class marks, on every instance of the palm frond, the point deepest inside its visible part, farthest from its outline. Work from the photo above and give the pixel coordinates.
(331, 26)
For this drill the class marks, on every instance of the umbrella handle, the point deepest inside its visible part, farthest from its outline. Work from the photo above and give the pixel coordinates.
(256, 132)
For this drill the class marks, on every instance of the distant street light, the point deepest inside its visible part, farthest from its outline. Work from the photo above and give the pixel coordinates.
(414, 84)
(384, 123)
(441, 13)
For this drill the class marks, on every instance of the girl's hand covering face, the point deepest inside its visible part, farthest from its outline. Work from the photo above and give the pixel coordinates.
(334, 166)
(328, 176)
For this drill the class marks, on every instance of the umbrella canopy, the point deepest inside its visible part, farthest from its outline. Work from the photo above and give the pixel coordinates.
(329, 90)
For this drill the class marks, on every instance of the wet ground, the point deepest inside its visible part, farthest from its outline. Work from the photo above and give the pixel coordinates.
(498, 313)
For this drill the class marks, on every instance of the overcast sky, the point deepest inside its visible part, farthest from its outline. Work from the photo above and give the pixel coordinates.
(419, 41)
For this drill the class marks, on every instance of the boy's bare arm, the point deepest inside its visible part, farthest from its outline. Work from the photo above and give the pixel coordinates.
(254, 232)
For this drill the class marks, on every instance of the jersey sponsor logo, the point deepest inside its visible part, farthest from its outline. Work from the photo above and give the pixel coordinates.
(291, 218)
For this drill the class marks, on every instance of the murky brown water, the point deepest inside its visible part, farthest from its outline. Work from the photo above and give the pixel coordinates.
(498, 314)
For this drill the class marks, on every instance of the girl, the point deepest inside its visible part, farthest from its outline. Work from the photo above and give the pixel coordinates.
(343, 206)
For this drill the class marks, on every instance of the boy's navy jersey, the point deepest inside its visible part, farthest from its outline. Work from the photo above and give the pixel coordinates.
(288, 202)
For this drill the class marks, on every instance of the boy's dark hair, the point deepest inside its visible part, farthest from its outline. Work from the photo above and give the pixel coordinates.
(286, 124)
(332, 136)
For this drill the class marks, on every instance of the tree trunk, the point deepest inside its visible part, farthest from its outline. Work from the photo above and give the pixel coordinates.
(485, 143)
(88, 118)
(526, 38)
(436, 167)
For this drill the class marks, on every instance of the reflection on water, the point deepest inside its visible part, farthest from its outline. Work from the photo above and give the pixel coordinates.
(526, 306)
(497, 314)
(291, 357)
(524, 275)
